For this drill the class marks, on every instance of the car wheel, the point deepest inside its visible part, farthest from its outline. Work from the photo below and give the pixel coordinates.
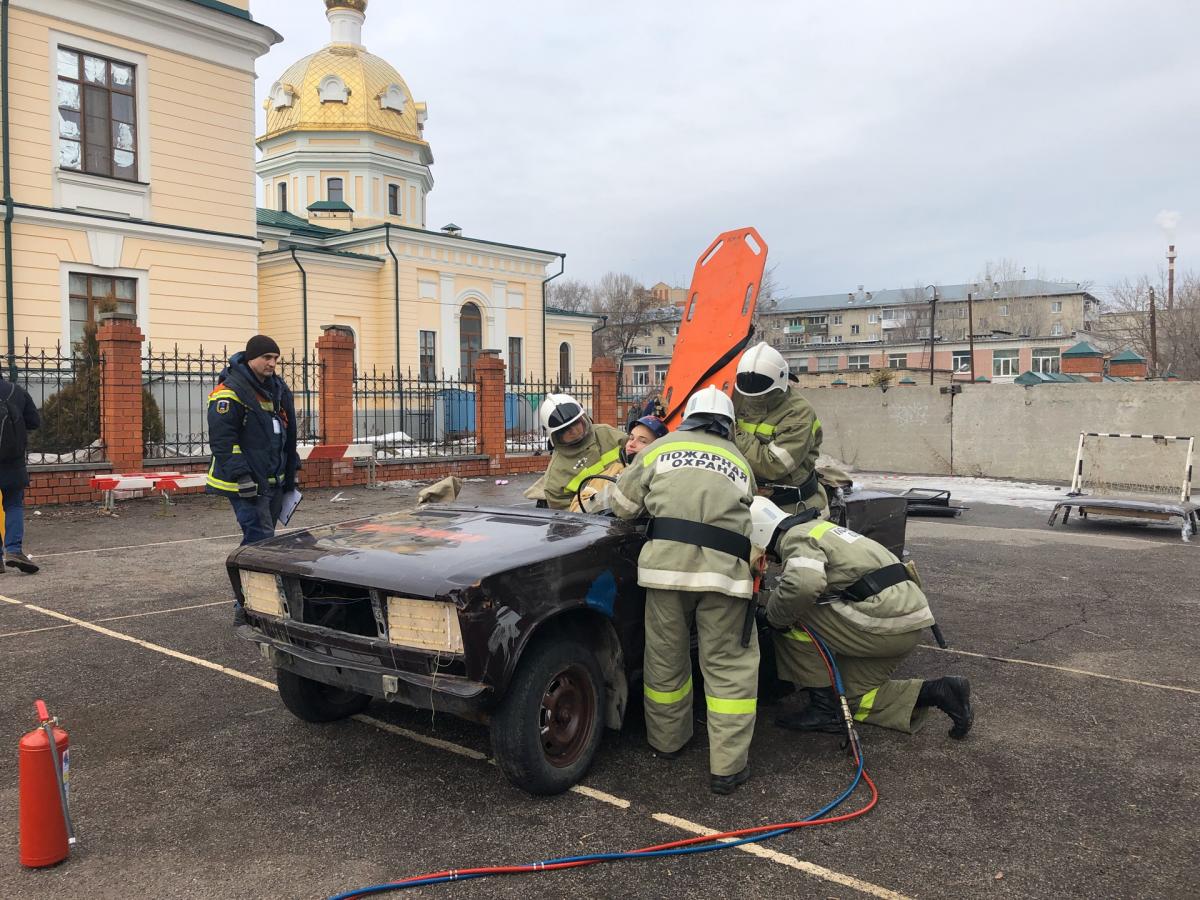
(548, 726)
(313, 701)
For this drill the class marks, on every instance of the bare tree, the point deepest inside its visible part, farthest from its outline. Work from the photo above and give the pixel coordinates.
(911, 318)
(768, 326)
(570, 295)
(1125, 322)
(630, 312)
(1008, 306)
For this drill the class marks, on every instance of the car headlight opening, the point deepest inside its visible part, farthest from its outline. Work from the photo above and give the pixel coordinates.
(424, 624)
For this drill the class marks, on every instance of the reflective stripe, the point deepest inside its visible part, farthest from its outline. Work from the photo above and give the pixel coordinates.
(864, 705)
(819, 530)
(763, 428)
(237, 449)
(594, 469)
(816, 426)
(707, 581)
(783, 455)
(223, 394)
(666, 697)
(913, 621)
(797, 635)
(213, 481)
(620, 501)
(731, 707)
(803, 562)
(653, 452)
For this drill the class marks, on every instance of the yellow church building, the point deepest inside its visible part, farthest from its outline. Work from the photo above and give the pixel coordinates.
(130, 161)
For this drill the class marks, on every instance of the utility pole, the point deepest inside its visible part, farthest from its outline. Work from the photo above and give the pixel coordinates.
(1153, 338)
(971, 331)
(932, 315)
(1170, 276)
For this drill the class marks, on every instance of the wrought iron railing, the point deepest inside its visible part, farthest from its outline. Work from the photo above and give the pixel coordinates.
(404, 416)
(65, 385)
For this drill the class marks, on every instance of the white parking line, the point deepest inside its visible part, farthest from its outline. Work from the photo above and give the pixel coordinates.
(1038, 665)
(764, 853)
(141, 615)
(215, 537)
(783, 859)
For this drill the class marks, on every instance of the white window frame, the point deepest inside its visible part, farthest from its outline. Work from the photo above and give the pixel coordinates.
(1056, 330)
(837, 319)
(1013, 363)
(1004, 310)
(1047, 360)
(823, 363)
(859, 362)
(641, 376)
(837, 339)
(855, 329)
(960, 360)
(1056, 306)
(75, 190)
(872, 318)
(897, 360)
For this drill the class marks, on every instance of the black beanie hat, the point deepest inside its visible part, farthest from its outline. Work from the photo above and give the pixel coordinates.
(260, 345)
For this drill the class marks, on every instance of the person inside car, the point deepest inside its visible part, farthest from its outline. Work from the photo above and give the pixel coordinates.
(642, 433)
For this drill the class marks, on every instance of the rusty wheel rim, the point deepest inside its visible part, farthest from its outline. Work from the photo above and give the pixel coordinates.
(565, 719)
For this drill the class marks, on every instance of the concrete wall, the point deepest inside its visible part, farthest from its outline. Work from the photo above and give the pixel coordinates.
(998, 430)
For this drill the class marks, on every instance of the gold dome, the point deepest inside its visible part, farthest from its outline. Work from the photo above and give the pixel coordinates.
(357, 5)
(373, 91)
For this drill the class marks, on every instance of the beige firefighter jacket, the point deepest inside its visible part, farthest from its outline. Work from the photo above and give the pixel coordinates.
(569, 466)
(819, 558)
(699, 477)
(582, 501)
(779, 434)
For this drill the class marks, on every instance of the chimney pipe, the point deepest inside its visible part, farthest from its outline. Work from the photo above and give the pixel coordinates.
(1170, 276)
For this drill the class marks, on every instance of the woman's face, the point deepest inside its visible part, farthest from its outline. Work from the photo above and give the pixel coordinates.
(639, 437)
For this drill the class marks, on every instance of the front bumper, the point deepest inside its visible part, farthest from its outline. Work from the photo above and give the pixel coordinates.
(451, 694)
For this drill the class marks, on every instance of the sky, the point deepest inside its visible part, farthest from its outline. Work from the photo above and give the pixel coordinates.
(870, 143)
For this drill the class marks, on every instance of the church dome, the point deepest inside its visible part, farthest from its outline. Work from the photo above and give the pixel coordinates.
(342, 87)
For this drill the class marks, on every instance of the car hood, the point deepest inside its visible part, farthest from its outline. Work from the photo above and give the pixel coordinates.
(430, 551)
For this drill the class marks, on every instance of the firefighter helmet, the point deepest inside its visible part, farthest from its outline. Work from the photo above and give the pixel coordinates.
(761, 369)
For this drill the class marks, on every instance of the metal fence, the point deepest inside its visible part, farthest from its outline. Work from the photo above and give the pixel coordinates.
(523, 400)
(407, 417)
(66, 388)
(175, 401)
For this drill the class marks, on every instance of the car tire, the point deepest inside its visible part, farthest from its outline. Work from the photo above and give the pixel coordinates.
(546, 730)
(313, 701)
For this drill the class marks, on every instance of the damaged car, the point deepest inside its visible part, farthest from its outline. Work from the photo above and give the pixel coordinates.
(527, 620)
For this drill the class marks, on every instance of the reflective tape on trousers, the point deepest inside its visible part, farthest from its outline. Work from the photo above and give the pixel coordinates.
(741, 707)
(667, 697)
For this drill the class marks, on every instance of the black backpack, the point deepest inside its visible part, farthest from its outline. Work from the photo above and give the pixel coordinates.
(12, 430)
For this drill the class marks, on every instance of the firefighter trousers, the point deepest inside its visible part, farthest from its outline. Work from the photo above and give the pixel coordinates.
(866, 661)
(730, 674)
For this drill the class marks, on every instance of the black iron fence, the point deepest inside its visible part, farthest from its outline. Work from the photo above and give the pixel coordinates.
(522, 405)
(175, 400)
(406, 417)
(66, 388)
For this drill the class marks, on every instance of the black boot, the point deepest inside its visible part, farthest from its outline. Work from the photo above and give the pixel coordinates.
(952, 695)
(822, 714)
(727, 784)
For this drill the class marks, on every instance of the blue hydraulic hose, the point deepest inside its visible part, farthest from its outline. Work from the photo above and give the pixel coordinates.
(645, 854)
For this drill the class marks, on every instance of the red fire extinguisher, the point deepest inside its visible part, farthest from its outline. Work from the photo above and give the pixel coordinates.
(45, 771)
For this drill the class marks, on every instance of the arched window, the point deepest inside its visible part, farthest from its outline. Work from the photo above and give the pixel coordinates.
(335, 191)
(283, 196)
(470, 340)
(564, 365)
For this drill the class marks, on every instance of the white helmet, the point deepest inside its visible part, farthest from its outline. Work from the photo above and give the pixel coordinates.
(711, 401)
(559, 411)
(765, 517)
(761, 369)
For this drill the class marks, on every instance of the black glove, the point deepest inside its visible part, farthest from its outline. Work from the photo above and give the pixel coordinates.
(247, 488)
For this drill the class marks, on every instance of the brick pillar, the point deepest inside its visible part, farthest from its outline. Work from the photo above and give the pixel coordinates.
(335, 352)
(489, 408)
(604, 387)
(120, 343)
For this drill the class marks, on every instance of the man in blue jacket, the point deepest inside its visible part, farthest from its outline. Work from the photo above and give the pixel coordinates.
(252, 433)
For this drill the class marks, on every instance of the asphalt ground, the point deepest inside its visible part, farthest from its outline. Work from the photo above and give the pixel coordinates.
(190, 780)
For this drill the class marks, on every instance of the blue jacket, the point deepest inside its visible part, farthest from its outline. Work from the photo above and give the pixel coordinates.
(242, 417)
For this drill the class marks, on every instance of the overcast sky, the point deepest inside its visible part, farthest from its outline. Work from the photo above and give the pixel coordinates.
(873, 143)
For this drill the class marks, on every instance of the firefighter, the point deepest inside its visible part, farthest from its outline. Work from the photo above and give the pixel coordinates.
(697, 489)
(642, 433)
(778, 431)
(861, 600)
(580, 448)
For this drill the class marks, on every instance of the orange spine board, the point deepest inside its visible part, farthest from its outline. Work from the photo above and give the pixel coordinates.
(716, 321)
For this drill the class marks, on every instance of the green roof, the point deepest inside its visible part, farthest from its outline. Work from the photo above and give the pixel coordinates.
(273, 218)
(1127, 356)
(840, 381)
(554, 311)
(1083, 348)
(983, 379)
(225, 8)
(321, 251)
(1031, 378)
(330, 206)
(908, 379)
